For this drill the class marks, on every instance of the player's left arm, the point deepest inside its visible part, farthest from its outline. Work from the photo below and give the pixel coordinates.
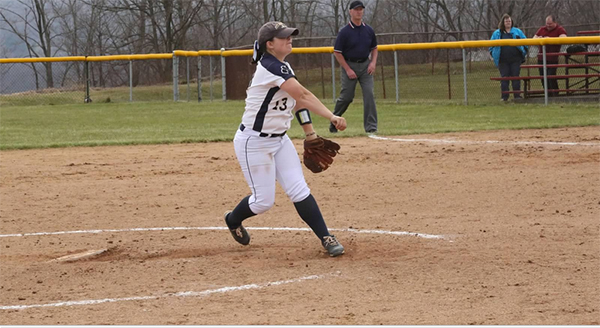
(309, 131)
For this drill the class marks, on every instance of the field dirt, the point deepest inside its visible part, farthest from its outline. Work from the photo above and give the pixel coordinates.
(519, 221)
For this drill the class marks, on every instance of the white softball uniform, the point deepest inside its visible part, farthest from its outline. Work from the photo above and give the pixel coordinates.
(265, 153)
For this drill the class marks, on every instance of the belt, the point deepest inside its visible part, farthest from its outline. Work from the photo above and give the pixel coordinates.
(356, 60)
(265, 135)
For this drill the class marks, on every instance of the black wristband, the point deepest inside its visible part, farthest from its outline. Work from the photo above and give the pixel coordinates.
(303, 116)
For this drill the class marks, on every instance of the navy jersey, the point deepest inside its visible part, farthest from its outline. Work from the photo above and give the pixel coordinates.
(355, 41)
(268, 108)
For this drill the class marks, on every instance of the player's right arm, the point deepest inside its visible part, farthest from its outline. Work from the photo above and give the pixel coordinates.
(306, 99)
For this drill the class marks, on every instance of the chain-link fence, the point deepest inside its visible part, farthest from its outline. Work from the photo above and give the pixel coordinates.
(207, 70)
(50, 83)
(133, 80)
(404, 75)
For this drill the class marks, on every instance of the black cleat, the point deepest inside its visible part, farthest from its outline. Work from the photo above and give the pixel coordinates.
(239, 234)
(333, 247)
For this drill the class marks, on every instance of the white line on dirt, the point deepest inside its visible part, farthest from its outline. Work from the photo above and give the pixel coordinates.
(380, 232)
(471, 142)
(178, 294)
(395, 233)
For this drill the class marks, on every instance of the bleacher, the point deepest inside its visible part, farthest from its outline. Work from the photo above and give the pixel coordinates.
(582, 77)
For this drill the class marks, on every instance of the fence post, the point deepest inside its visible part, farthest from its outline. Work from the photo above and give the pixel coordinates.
(448, 71)
(175, 77)
(396, 76)
(382, 76)
(464, 59)
(210, 67)
(187, 76)
(545, 75)
(223, 78)
(396, 70)
(333, 77)
(199, 78)
(86, 65)
(322, 75)
(130, 80)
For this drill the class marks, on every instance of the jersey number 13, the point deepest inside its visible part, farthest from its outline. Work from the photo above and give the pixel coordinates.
(283, 105)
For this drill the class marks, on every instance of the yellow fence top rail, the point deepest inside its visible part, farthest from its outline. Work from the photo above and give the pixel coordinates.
(490, 43)
(186, 53)
(84, 58)
(315, 50)
(41, 59)
(129, 57)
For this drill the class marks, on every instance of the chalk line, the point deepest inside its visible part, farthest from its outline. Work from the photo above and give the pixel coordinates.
(97, 231)
(177, 294)
(470, 142)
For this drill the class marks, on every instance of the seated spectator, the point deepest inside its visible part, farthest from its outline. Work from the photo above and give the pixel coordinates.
(508, 59)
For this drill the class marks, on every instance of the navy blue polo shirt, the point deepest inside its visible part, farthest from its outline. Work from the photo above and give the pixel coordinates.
(355, 41)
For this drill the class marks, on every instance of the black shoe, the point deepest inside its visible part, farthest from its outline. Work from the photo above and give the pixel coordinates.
(332, 245)
(332, 128)
(239, 234)
(372, 131)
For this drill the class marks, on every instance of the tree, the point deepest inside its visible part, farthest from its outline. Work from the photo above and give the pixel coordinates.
(4, 68)
(33, 23)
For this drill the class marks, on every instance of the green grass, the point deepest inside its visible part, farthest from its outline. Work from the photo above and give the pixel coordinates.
(23, 127)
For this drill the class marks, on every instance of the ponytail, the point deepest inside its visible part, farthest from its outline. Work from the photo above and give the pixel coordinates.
(257, 53)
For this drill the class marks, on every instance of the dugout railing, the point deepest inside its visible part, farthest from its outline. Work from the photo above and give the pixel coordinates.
(449, 72)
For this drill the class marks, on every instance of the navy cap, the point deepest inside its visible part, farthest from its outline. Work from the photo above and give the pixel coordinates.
(356, 4)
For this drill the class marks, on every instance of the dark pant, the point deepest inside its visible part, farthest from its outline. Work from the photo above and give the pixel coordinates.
(347, 95)
(552, 83)
(506, 70)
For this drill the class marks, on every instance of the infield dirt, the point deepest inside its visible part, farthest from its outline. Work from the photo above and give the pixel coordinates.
(521, 224)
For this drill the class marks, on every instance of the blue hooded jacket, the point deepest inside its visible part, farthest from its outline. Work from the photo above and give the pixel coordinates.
(516, 34)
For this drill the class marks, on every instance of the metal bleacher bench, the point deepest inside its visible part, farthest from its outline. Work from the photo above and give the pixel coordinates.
(584, 83)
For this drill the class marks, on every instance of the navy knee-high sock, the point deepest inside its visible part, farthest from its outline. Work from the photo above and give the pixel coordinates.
(240, 213)
(311, 214)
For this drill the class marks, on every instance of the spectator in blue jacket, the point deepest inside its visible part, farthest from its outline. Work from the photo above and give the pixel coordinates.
(508, 59)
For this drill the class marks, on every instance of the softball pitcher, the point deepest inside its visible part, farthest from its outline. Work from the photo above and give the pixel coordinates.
(265, 153)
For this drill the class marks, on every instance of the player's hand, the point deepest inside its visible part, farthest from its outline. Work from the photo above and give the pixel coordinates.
(339, 122)
(351, 74)
(371, 68)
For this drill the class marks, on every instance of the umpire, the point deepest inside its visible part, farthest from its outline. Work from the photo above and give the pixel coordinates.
(353, 45)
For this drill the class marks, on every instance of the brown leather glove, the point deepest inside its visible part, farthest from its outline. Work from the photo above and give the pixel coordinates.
(319, 154)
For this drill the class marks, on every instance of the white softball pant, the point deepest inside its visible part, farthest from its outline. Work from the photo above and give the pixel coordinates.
(265, 160)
